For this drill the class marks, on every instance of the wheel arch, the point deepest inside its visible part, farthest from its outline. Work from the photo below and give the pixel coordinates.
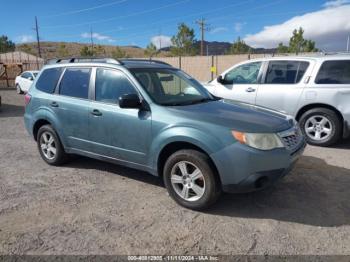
(39, 123)
(175, 146)
(318, 105)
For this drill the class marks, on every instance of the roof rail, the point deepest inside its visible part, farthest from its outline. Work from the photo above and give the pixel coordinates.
(335, 53)
(83, 60)
(143, 60)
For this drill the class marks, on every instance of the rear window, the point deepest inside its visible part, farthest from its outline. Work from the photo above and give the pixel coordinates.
(334, 72)
(285, 72)
(75, 82)
(48, 80)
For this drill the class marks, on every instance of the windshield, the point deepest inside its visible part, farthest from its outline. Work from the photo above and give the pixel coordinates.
(171, 87)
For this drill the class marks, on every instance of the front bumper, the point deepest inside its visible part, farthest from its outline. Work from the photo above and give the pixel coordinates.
(244, 169)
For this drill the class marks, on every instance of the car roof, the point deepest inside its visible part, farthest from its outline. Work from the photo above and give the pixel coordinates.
(143, 63)
(31, 71)
(315, 57)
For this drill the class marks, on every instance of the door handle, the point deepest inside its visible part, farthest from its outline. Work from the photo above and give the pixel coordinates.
(250, 89)
(54, 104)
(96, 112)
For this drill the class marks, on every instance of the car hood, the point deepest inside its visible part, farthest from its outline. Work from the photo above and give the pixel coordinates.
(238, 116)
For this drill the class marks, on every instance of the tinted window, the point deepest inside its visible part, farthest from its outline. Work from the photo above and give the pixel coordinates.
(244, 74)
(334, 72)
(285, 72)
(48, 79)
(110, 85)
(25, 75)
(75, 82)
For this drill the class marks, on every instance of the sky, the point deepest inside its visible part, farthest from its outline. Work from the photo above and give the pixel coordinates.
(261, 23)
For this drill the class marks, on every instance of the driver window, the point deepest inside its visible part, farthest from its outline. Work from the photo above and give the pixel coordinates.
(244, 74)
(110, 85)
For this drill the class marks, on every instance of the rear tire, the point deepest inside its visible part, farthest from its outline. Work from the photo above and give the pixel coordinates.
(191, 180)
(321, 126)
(50, 146)
(18, 89)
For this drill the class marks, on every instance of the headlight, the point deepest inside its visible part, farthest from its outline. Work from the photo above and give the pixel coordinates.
(262, 141)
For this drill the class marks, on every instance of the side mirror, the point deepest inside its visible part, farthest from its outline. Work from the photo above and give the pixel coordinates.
(220, 79)
(30, 78)
(129, 101)
(223, 81)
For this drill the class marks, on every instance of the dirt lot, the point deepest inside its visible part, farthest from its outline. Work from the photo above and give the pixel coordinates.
(90, 207)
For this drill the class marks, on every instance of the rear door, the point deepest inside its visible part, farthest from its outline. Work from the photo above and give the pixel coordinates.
(241, 83)
(70, 103)
(282, 84)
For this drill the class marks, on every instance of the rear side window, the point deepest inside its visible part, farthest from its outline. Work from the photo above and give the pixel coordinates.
(110, 85)
(285, 72)
(334, 72)
(48, 79)
(75, 82)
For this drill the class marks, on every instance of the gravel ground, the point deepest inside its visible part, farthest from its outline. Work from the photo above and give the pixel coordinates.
(91, 207)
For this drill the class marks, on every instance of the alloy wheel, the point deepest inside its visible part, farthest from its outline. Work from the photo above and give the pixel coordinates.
(18, 89)
(48, 145)
(188, 181)
(318, 127)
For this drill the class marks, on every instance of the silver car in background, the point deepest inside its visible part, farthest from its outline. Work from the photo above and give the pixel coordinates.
(315, 90)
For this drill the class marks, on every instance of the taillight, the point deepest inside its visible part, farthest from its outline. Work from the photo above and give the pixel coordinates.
(27, 98)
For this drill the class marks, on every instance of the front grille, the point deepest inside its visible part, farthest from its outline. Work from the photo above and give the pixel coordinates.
(291, 138)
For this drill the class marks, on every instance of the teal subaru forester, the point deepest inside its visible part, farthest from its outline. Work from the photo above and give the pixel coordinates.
(148, 115)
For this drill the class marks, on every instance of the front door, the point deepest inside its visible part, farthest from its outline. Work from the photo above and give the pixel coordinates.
(115, 132)
(26, 81)
(241, 83)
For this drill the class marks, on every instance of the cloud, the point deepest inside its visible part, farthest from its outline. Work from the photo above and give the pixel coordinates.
(335, 3)
(328, 27)
(218, 30)
(98, 36)
(238, 26)
(161, 41)
(25, 38)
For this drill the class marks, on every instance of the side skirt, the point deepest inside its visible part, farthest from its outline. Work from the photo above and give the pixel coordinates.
(112, 160)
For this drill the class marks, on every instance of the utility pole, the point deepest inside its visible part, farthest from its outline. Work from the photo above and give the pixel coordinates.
(203, 27)
(160, 38)
(92, 42)
(347, 44)
(37, 36)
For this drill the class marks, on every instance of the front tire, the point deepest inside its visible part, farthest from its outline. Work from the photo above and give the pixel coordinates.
(191, 179)
(321, 126)
(18, 89)
(50, 146)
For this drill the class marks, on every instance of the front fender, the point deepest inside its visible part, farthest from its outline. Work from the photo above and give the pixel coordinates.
(205, 141)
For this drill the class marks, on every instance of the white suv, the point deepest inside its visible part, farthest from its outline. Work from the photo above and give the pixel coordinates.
(315, 90)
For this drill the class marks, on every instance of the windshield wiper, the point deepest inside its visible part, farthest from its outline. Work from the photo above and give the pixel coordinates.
(186, 103)
(203, 100)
